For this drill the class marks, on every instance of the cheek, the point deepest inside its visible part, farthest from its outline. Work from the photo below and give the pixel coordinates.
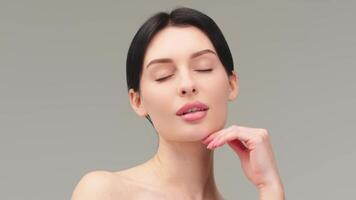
(217, 87)
(218, 95)
(157, 102)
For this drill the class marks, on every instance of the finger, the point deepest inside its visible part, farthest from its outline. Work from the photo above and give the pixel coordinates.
(244, 134)
(219, 140)
(210, 137)
(239, 149)
(212, 143)
(206, 140)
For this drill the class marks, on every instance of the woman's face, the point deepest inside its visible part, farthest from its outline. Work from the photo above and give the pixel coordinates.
(161, 99)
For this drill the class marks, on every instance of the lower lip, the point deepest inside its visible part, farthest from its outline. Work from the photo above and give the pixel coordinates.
(190, 117)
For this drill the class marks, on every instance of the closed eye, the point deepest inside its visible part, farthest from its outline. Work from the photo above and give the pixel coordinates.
(205, 70)
(162, 79)
(201, 70)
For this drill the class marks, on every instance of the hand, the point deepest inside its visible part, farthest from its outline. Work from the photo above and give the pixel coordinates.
(253, 147)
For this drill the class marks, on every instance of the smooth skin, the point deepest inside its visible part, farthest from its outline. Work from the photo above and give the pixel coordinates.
(254, 149)
(182, 167)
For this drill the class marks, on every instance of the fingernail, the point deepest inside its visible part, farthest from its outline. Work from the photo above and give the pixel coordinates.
(213, 144)
(210, 145)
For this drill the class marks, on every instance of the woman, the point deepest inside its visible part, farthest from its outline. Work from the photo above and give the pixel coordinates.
(180, 76)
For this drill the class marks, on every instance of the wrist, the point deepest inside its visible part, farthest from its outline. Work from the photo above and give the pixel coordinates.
(271, 182)
(272, 191)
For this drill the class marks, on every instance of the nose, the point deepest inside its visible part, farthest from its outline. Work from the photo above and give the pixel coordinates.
(187, 91)
(187, 87)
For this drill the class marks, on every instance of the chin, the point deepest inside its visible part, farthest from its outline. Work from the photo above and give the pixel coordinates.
(202, 132)
(190, 132)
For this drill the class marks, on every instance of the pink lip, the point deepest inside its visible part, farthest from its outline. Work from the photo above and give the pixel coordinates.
(188, 106)
(190, 117)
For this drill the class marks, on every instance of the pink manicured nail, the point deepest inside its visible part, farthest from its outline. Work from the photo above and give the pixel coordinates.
(213, 144)
(210, 145)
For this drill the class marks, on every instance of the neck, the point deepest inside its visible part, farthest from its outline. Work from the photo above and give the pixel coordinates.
(186, 168)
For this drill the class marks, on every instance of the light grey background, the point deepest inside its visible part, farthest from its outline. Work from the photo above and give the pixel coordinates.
(64, 109)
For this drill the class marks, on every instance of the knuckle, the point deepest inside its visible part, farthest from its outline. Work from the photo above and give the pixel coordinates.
(263, 132)
(262, 135)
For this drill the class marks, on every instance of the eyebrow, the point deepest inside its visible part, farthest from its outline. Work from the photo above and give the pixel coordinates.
(168, 60)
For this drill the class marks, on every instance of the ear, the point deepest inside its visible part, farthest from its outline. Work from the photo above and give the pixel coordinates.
(136, 103)
(234, 86)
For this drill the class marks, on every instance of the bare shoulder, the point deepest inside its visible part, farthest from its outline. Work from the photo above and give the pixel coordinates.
(103, 185)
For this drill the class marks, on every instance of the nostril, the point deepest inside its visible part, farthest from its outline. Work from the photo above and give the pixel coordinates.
(185, 91)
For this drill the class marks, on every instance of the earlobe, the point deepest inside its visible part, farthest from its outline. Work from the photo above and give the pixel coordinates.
(136, 103)
(234, 86)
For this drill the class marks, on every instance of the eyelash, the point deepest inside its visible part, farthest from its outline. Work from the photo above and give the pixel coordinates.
(164, 78)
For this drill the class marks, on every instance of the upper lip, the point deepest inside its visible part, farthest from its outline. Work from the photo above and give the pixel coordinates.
(188, 106)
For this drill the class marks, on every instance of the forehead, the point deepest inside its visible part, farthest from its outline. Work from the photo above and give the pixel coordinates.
(177, 43)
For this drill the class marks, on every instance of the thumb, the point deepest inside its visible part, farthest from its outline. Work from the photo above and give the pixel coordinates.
(239, 148)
